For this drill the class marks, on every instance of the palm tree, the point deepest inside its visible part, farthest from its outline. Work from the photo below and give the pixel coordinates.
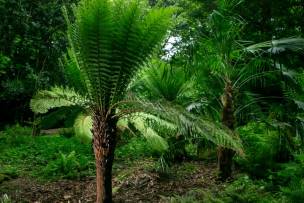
(219, 55)
(228, 72)
(110, 40)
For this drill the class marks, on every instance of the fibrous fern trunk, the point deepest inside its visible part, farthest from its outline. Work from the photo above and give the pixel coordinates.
(225, 155)
(104, 143)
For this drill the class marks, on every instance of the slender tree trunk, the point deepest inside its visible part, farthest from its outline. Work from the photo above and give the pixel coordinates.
(36, 126)
(104, 143)
(225, 155)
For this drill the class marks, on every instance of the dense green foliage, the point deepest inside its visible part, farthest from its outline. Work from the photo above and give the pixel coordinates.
(32, 39)
(50, 157)
(229, 74)
(56, 157)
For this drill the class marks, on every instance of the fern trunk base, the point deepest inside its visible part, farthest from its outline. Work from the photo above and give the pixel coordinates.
(104, 143)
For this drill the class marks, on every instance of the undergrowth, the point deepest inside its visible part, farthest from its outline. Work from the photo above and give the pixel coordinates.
(57, 157)
(43, 157)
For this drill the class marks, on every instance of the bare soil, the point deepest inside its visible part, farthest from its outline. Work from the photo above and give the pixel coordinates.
(136, 185)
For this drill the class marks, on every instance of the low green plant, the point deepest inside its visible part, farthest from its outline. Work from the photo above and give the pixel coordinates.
(69, 166)
(193, 196)
(258, 163)
(135, 148)
(7, 173)
(15, 135)
(288, 173)
(295, 191)
(246, 190)
(35, 154)
(5, 199)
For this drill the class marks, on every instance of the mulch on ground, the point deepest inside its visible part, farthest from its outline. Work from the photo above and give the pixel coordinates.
(139, 186)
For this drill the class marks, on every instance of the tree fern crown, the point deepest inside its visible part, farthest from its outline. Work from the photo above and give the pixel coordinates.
(111, 39)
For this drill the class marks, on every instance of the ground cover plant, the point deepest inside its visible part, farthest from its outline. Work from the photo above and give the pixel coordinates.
(152, 101)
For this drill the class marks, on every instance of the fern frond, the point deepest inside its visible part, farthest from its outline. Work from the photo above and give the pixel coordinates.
(153, 138)
(45, 100)
(159, 80)
(82, 128)
(190, 125)
(111, 40)
(72, 72)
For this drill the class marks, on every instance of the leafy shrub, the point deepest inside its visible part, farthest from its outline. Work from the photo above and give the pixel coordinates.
(245, 190)
(15, 135)
(261, 148)
(68, 166)
(289, 172)
(136, 147)
(31, 158)
(295, 191)
(242, 190)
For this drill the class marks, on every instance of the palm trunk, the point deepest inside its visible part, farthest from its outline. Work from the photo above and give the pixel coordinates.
(179, 148)
(225, 155)
(104, 142)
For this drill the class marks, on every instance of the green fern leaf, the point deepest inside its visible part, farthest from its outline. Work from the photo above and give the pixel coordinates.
(45, 100)
(82, 128)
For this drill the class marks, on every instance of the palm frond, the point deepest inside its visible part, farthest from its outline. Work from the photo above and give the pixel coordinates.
(56, 97)
(276, 46)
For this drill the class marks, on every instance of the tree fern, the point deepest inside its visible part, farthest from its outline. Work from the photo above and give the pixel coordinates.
(110, 40)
